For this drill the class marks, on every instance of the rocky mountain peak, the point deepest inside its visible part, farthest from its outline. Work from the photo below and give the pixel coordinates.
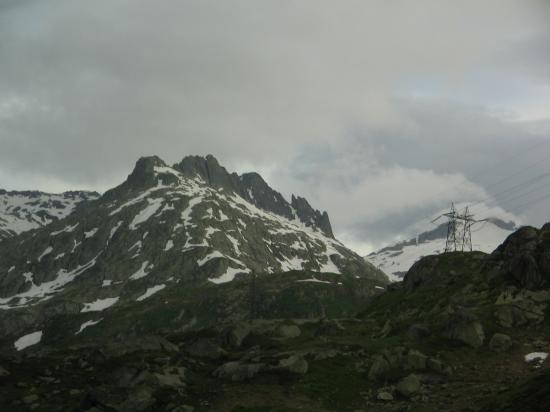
(253, 188)
(209, 170)
(144, 171)
(311, 216)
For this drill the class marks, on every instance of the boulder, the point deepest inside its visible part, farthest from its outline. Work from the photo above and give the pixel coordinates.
(418, 331)
(235, 335)
(145, 343)
(379, 369)
(288, 331)
(408, 386)
(205, 348)
(521, 307)
(3, 372)
(465, 328)
(30, 399)
(435, 365)
(329, 328)
(238, 372)
(500, 343)
(294, 364)
(139, 399)
(384, 396)
(414, 361)
(129, 377)
(183, 408)
(396, 361)
(386, 329)
(171, 377)
(394, 356)
(509, 316)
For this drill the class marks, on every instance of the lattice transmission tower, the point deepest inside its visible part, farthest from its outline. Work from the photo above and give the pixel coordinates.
(459, 229)
(467, 222)
(451, 216)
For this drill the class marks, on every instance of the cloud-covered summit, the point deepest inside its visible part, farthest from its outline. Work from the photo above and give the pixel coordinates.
(390, 104)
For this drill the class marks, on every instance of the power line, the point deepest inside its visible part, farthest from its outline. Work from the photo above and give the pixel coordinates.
(492, 167)
(507, 159)
(523, 184)
(532, 202)
(521, 171)
(517, 194)
(537, 189)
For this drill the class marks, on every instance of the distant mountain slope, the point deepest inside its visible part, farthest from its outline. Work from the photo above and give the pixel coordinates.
(395, 260)
(165, 227)
(27, 210)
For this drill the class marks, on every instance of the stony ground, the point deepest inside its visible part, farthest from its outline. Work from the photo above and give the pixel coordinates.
(452, 336)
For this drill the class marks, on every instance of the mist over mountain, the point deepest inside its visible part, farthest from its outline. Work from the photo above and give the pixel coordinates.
(493, 226)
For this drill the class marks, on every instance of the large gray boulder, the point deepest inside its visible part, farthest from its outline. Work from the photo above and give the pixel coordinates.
(379, 369)
(3, 372)
(238, 372)
(518, 307)
(408, 386)
(500, 343)
(205, 348)
(288, 332)
(234, 336)
(293, 364)
(465, 328)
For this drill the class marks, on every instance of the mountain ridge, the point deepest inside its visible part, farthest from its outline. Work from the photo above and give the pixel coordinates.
(159, 228)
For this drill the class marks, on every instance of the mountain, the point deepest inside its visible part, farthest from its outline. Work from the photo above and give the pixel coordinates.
(23, 211)
(168, 231)
(395, 260)
(463, 331)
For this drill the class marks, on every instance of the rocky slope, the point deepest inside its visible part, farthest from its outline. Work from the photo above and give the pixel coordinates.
(165, 231)
(461, 332)
(395, 260)
(23, 211)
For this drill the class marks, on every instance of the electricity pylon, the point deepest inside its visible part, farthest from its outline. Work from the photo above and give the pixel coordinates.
(459, 229)
(450, 244)
(467, 222)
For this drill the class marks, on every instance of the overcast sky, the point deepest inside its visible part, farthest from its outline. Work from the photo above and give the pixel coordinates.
(380, 112)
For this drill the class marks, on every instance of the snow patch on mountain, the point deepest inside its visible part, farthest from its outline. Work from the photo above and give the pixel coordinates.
(24, 211)
(99, 305)
(28, 340)
(141, 272)
(45, 290)
(46, 252)
(87, 324)
(150, 292)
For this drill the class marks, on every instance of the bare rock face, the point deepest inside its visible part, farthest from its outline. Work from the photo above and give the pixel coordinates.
(519, 307)
(253, 188)
(524, 257)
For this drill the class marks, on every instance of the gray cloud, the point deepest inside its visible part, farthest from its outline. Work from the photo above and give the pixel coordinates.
(358, 98)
